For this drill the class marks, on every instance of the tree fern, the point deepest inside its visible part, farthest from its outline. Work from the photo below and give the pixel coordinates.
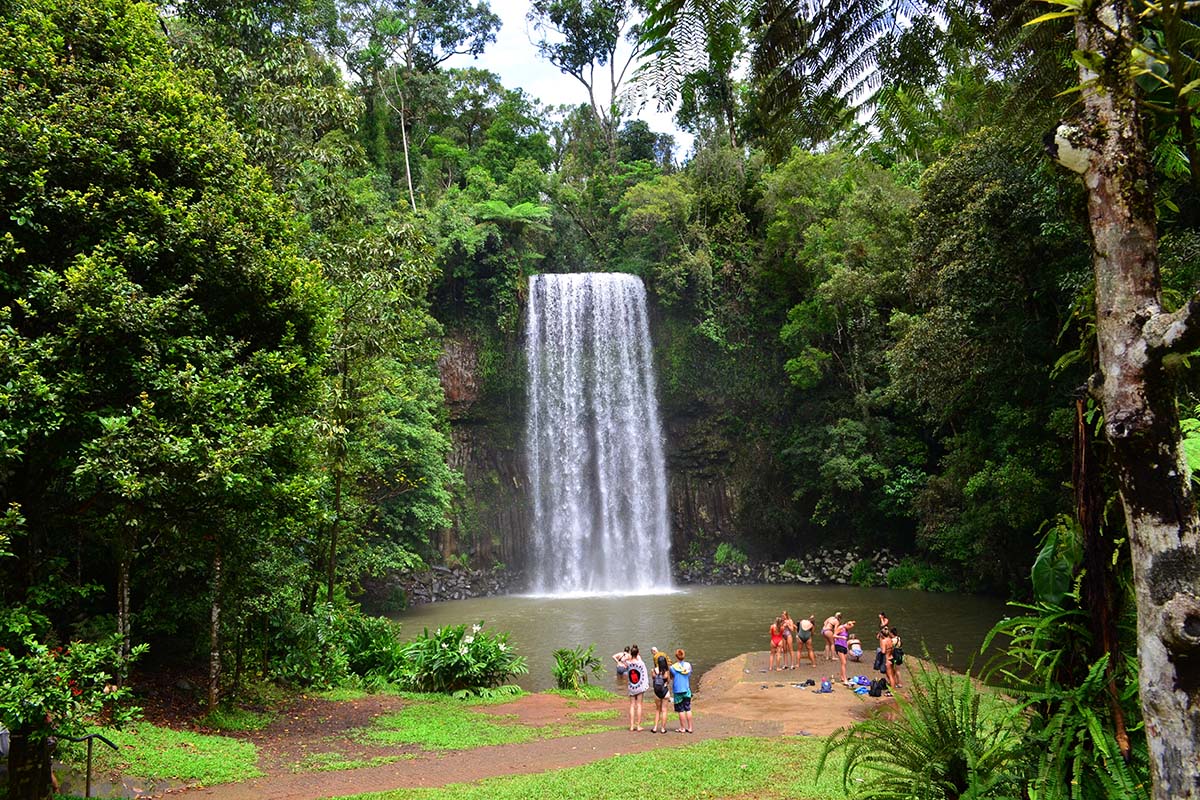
(947, 739)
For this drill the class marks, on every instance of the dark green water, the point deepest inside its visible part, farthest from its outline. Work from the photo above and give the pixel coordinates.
(712, 623)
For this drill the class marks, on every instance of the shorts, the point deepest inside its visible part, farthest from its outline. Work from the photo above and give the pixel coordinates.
(683, 702)
(840, 648)
(803, 635)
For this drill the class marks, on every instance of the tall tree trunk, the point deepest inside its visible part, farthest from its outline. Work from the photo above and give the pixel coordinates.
(214, 652)
(331, 567)
(1138, 396)
(123, 626)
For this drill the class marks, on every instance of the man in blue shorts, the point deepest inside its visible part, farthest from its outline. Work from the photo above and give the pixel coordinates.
(681, 687)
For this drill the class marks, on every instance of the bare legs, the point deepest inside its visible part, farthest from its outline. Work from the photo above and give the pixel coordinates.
(660, 714)
(635, 712)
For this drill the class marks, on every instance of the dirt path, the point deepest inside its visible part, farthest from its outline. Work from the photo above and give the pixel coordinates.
(736, 698)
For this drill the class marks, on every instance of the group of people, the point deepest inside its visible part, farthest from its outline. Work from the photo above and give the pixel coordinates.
(667, 679)
(790, 640)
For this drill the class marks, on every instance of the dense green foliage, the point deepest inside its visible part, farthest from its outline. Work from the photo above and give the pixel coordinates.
(219, 380)
(235, 238)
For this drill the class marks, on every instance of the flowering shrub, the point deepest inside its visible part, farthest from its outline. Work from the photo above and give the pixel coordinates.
(456, 658)
(47, 690)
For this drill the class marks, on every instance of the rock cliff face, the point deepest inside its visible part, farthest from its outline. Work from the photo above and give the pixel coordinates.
(486, 418)
(701, 501)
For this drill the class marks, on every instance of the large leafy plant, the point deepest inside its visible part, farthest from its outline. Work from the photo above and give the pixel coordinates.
(572, 666)
(457, 658)
(947, 739)
(1070, 700)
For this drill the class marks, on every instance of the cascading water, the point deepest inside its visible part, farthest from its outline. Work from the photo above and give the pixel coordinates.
(593, 438)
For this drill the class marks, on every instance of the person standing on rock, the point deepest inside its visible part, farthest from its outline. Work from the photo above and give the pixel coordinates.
(776, 633)
(789, 642)
(840, 637)
(827, 629)
(894, 653)
(681, 687)
(884, 632)
(804, 636)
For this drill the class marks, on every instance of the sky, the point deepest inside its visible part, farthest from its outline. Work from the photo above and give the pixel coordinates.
(515, 59)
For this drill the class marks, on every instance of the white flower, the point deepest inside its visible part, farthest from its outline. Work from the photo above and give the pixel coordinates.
(503, 647)
(445, 646)
(468, 639)
(476, 628)
(463, 650)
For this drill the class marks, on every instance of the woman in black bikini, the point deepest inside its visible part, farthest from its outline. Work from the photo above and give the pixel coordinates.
(662, 690)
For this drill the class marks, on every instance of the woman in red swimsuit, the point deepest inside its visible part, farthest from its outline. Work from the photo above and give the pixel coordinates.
(776, 659)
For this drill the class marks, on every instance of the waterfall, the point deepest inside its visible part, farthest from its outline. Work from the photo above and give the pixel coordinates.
(593, 438)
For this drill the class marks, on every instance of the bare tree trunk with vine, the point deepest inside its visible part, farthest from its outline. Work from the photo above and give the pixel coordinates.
(1134, 335)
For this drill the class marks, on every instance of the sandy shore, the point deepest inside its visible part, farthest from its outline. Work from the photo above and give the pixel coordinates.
(741, 688)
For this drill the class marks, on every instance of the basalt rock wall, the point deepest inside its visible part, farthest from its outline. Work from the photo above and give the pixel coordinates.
(483, 382)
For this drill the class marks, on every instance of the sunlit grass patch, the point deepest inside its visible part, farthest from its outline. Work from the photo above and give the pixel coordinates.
(782, 769)
(453, 725)
(237, 719)
(607, 713)
(586, 692)
(155, 753)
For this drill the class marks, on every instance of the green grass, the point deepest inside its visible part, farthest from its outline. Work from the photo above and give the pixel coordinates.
(438, 723)
(148, 751)
(608, 713)
(333, 762)
(237, 719)
(761, 768)
(586, 692)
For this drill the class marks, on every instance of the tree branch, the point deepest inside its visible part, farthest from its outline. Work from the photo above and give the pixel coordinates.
(1178, 331)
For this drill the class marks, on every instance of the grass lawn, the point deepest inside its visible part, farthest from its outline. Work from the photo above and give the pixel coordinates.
(161, 753)
(437, 722)
(783, 769)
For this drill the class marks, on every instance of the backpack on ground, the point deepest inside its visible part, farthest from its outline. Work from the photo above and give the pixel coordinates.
(878, 687)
